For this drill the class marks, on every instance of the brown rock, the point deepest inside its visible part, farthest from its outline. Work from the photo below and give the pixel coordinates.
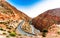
(20, 14)
(47, 19)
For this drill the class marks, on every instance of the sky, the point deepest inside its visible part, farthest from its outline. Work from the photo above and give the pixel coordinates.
(34, 7)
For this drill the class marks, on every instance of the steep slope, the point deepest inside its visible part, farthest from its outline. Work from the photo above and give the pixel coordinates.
(21, 14)
(47, 19)
(10, 18)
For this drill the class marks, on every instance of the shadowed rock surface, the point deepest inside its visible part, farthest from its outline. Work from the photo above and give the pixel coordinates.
(47, 19)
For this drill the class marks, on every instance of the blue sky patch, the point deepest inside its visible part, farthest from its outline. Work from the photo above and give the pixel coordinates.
(24, 2)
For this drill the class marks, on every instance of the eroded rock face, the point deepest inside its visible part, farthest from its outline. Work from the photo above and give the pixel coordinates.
(10, 18)
(9, 9)
(47, 19)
